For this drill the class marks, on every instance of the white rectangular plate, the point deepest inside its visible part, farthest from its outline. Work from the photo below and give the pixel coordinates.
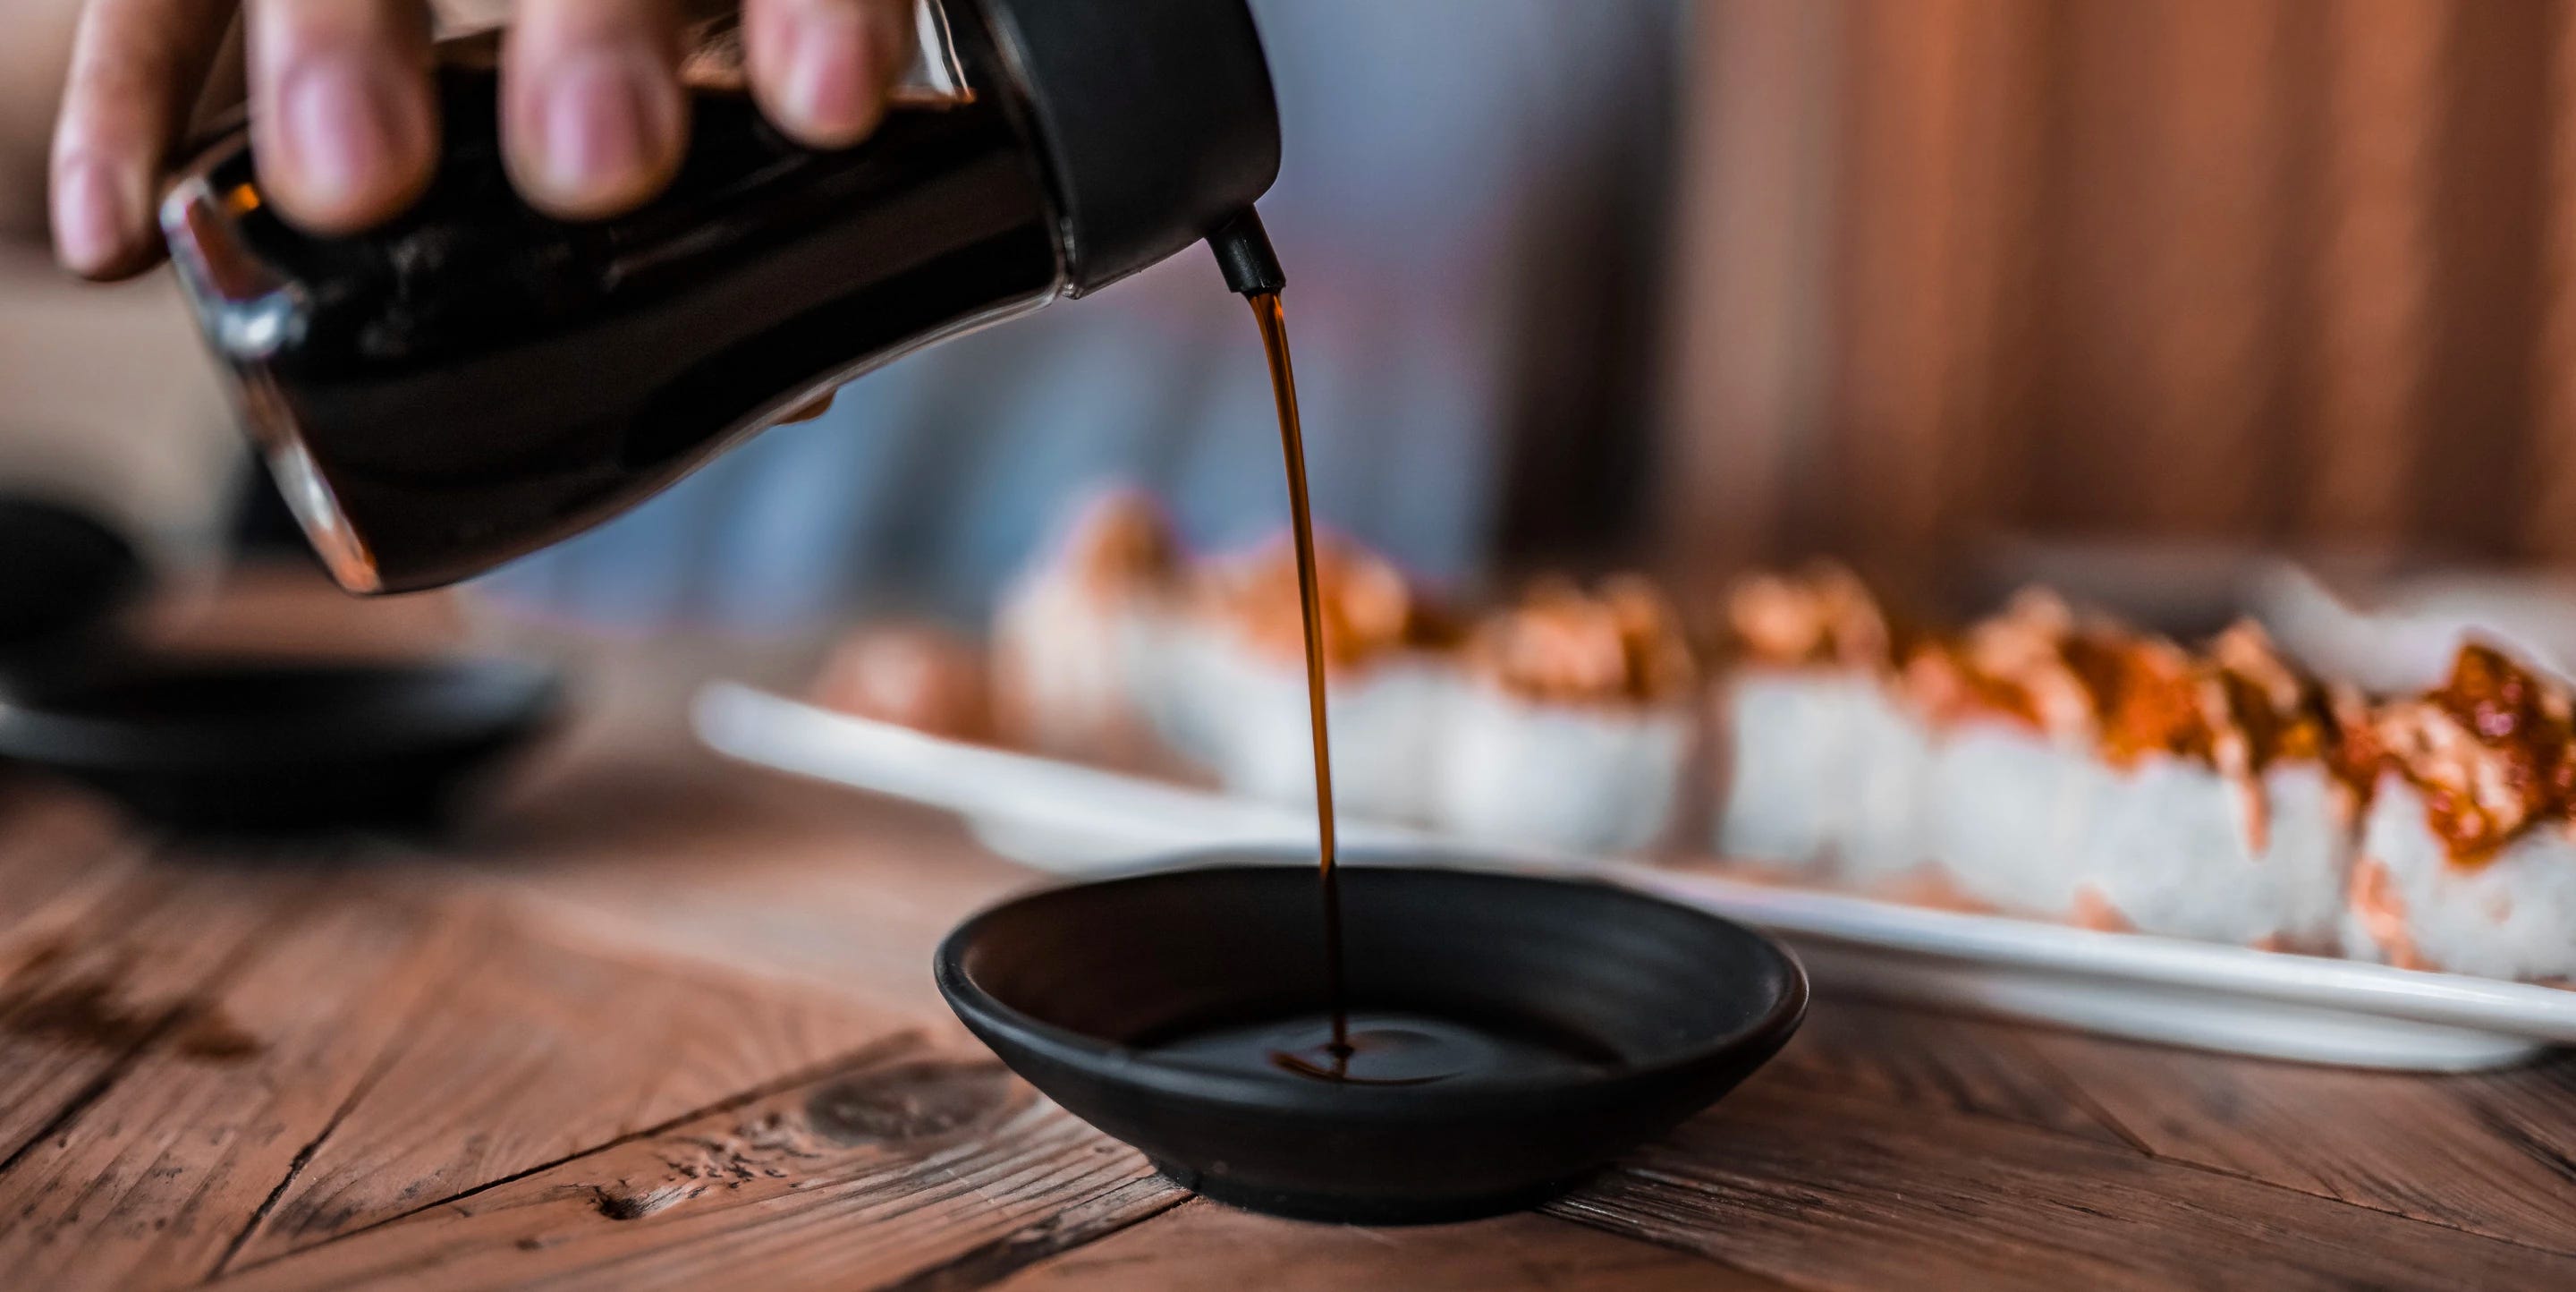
(1075, 820)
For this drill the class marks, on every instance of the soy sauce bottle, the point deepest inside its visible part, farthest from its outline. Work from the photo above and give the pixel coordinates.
(476, 379)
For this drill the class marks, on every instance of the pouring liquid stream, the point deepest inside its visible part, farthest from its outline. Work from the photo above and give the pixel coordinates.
(1332, 1060)
(1376, 1046)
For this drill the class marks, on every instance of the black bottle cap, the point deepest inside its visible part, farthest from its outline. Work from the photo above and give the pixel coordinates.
(1157, 117)
(1244, 256)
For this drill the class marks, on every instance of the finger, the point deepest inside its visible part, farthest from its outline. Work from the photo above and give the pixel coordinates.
(823, 69)
(342, 118)
(591, 109)
(136, 66)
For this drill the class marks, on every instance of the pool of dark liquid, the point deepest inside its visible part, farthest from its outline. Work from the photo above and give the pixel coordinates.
(1387, 1048)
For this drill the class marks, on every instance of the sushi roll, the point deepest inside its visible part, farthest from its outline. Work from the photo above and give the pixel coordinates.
(1076, 634)
(2227, 816)
(1574, 725)
(2089, 773)
(1234, 675)
(2468, 853)
(2010, 779)
(1820, 761)
(920, 676)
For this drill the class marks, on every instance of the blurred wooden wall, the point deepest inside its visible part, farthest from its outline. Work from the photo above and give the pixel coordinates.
(2276, 271)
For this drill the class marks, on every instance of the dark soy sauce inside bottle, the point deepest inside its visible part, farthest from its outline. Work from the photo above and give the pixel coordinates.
(477, 379)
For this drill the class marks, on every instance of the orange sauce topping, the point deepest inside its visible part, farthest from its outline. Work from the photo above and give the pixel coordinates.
(1370, 609)
(2492, 751)
(1121, 540)
(1621, 645)
(1824, 615)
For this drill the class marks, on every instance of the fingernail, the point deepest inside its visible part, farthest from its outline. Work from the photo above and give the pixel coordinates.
(91, 217)
(338, 131)
(592, 128)
(831, 78)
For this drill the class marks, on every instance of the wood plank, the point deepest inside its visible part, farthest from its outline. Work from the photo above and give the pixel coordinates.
(915, 1158)
(84, 997)
(152, 1183)
(696, 856)
(1842, 1193)
(1943, 1064)
(537, 1052)
(1201, 1244)
(288, 607)
(2425, 1147)
(59, 852)
(2526, 1108)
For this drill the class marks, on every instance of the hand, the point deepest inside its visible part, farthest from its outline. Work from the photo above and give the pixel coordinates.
(346, 129)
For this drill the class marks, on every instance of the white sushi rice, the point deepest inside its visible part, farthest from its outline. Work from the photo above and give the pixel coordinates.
(1831, 776)
(1883, 787)
(1786, 739)
(1568, 776)
(2513, 916)
(2009, 815)
(1824, 772)
(1070, 628)
(1175, 671)
(2172, 852)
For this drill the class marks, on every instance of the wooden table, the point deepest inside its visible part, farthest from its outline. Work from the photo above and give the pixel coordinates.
(662, 1022)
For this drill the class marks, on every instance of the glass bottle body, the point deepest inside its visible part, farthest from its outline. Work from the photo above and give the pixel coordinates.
(477, 380)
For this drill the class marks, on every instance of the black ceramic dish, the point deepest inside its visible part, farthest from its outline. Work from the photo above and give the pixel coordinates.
(269, 747)
(1063, 983)
(63, 576)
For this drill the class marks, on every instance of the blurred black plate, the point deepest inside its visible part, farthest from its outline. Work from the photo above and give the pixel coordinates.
(264, 746)
(63, 576)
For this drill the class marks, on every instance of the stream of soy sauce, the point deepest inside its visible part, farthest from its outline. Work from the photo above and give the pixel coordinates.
(1336, 1056)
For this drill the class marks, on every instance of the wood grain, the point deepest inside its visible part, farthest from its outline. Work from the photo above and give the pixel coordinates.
(2425, 1147)
(1201, 1245)
(1941, 1064)
(910, 1160)
(707, 860)
(533, 1053)
(59, 855)
(1840, 1193)
(108, 979)
(151, 1184)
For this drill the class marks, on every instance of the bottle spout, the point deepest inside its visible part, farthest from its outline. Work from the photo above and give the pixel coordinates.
(1243, 254)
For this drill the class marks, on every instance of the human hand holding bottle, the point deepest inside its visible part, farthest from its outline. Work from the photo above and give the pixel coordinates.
(346, 127)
